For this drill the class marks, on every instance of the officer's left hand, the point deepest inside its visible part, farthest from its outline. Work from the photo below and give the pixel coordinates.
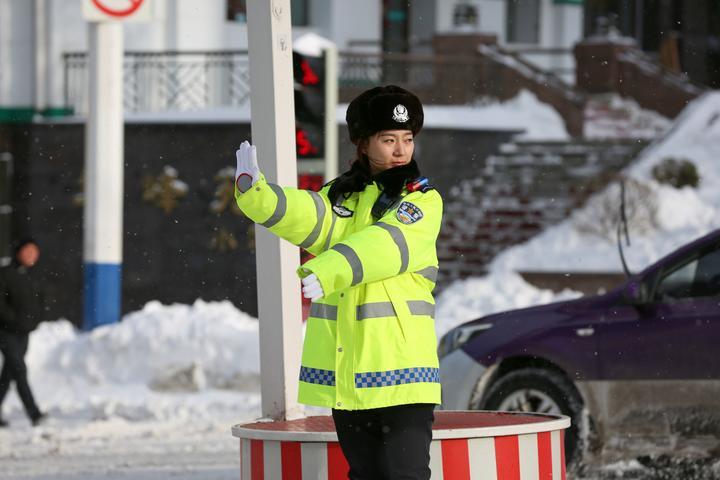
(311, 287)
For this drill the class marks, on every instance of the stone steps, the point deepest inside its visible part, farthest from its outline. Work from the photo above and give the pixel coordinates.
(519, 191)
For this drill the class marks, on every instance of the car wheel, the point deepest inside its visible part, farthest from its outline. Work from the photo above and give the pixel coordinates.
(539, 391)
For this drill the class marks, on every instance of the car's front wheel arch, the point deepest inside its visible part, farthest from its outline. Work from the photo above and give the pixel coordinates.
(546, 385)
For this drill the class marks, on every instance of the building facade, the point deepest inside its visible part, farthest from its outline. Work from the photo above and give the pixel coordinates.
(36, 34)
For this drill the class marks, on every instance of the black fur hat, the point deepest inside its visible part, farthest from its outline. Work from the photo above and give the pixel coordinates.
(383, 108)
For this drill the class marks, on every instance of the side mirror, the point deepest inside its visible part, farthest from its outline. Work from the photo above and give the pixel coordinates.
(635, 292)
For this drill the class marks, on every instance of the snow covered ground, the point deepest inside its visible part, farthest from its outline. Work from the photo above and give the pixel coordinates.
(156, 393)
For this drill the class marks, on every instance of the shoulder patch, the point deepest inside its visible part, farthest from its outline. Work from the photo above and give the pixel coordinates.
(408, 213)
(341, 211)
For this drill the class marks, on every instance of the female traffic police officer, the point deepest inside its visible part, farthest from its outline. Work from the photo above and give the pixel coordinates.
(370, 346)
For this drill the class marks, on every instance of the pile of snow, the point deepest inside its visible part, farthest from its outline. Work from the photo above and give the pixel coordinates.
(524, 113)
(312, 44)
(615, 117)
(682, 214)
(163, 362)
(472, 298)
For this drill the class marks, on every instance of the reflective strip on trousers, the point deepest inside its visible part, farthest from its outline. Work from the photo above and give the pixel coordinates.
(400, 241)
(280, 208)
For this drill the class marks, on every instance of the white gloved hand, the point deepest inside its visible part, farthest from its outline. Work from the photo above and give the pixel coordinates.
(247, 172)
(311, 287)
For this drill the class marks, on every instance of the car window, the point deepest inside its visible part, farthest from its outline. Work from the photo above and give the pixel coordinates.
(699, 277)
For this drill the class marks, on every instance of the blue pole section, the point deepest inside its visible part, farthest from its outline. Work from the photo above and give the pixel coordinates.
(104, 169)
(101, 288)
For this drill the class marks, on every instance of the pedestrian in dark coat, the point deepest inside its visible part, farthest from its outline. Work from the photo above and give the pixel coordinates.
(20, 309)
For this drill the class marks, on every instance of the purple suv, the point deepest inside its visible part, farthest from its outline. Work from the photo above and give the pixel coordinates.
(636, 369)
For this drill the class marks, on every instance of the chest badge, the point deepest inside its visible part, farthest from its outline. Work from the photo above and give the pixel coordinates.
(341, 211)
(408, 213)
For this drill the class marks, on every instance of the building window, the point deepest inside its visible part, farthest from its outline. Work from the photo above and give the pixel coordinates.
(465, 15)
(523, 21)
(237, 10)
(299, 12)
(300, 15)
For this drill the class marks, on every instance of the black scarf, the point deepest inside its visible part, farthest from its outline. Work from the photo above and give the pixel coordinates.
(391, 181)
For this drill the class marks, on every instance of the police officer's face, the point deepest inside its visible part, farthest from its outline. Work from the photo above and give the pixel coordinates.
(389, 149)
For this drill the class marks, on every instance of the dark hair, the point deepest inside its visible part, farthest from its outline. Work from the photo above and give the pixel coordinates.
(391, 181)
(354, 180)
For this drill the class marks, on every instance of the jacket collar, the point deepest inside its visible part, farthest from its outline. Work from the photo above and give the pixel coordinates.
(393, 180)
(390, 181)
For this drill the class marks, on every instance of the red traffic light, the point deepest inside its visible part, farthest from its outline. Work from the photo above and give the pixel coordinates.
(305, 148)
(309, 77)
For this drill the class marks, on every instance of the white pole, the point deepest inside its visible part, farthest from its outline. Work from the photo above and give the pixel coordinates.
(41, 36)
(104, 175)
(331, 101)
(273, 132)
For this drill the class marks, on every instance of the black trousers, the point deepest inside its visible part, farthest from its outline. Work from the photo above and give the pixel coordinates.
(391, 443)
(13, 347)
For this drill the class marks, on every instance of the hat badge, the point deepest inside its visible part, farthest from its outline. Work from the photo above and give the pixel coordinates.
(400, 114)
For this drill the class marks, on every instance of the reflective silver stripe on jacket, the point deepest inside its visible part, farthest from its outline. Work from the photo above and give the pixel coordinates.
(320, 211)
(374, 310)
(421, 307)
(401, 243)
(354, 261)
(280, 208)
(385, 309)
(430, 273)
(329, 236)
(321, 310)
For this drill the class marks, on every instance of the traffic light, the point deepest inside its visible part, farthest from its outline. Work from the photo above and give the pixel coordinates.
(309, 76)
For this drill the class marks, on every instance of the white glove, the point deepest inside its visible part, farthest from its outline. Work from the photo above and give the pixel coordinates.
(311, 287)
(247, 172)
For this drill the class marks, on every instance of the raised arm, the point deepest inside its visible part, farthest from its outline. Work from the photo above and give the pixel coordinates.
(301, 217)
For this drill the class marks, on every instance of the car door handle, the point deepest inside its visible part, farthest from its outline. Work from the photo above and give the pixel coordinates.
(585, 332)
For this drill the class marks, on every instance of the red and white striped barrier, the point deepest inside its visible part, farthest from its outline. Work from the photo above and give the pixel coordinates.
(465, 446)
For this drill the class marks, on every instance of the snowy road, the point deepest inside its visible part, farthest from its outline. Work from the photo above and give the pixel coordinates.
(205, 450)
(146, 450)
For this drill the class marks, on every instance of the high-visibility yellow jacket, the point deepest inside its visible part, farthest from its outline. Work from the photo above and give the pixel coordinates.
(370, 341)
